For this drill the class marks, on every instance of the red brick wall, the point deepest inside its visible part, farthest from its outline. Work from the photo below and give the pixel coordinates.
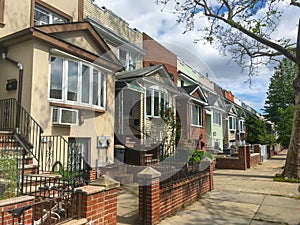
(255, 159)
(173, 198)
(99, 206)
(239, 162)
(228, 95)
(157, 54)
(14, 203)
(162, 202)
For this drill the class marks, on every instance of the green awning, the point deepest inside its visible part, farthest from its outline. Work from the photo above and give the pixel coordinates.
(127, 85)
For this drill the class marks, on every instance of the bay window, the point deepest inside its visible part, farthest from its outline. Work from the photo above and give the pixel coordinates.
(196, 115)
(75, 82)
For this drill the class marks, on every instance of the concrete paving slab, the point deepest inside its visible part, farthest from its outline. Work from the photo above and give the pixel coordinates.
(257, 222)
(283, 202)
(235, 196)
(195, 217)
(278, 214)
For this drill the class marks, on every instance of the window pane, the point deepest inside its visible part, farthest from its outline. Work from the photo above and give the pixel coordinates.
(148, 102)
(58, 19)
(199, 115)
(122, 57)
(85, 82)
(95, 87)
(72, 81)
(56, 76)
(217, 119)
(41, 16)
(156, 103)
(194, 115)
(103, 91)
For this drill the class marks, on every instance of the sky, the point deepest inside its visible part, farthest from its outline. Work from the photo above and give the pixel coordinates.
(160, 23)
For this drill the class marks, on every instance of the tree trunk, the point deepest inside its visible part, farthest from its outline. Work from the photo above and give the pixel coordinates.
(292, 164)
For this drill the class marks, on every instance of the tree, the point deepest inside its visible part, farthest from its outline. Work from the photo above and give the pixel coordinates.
(284, 127)
(244, 29)
(255, 130)
(280, 94)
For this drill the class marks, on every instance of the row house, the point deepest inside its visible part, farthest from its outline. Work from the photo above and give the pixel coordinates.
(212, 111)
(62, 73)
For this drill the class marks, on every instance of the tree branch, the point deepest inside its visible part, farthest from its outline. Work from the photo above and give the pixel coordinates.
(295, 3)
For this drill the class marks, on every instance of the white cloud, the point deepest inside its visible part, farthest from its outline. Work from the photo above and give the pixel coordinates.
(162, 26)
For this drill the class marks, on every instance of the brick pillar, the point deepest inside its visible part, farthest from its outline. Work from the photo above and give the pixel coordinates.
(211, 175)
(242, 157)
(149, 196)
(248, 156)
(257, 149)
(99, 201)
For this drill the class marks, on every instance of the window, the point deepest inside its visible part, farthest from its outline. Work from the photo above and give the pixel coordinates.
(156, 101)
(182, 83)
(232, 123)
(196, 115)
(43, 16)
(217, 118)
(128, 59)
(242, 126)
(76, 82)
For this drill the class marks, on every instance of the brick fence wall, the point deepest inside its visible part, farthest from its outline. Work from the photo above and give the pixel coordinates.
(243, 160)
(16, 203)
(98, 204)
(156, 202)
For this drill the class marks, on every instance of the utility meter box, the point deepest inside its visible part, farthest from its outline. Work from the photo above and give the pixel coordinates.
(103, 141)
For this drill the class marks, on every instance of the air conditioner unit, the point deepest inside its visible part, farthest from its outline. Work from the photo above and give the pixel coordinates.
(62, 116)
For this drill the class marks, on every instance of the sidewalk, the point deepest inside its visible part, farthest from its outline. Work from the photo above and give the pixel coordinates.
(240, 197)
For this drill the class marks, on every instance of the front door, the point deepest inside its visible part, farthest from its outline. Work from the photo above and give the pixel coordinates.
(85, 144)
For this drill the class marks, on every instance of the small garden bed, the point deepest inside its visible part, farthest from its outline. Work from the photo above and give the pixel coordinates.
(280, 178)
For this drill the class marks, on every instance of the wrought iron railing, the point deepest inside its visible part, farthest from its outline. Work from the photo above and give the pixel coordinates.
(56, 210)
(14, 118)
(63, 158)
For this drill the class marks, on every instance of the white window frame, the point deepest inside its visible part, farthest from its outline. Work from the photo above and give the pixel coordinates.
(242, 126)
(160, 94)
(49, 14)
(130, 61)
(102, 77)
(232, 123)
(217, 118)
(199, 115)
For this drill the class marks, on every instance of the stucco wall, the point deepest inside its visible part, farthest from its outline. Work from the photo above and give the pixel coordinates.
(21, 53)
(94, 123)
(17, 14)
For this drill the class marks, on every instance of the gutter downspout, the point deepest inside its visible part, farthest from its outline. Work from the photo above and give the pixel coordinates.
(21, 72)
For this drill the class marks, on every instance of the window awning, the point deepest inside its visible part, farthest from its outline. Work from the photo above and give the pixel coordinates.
(122, 84)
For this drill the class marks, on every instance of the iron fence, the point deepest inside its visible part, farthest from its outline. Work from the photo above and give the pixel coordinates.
(56, 210)
(63, 158)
